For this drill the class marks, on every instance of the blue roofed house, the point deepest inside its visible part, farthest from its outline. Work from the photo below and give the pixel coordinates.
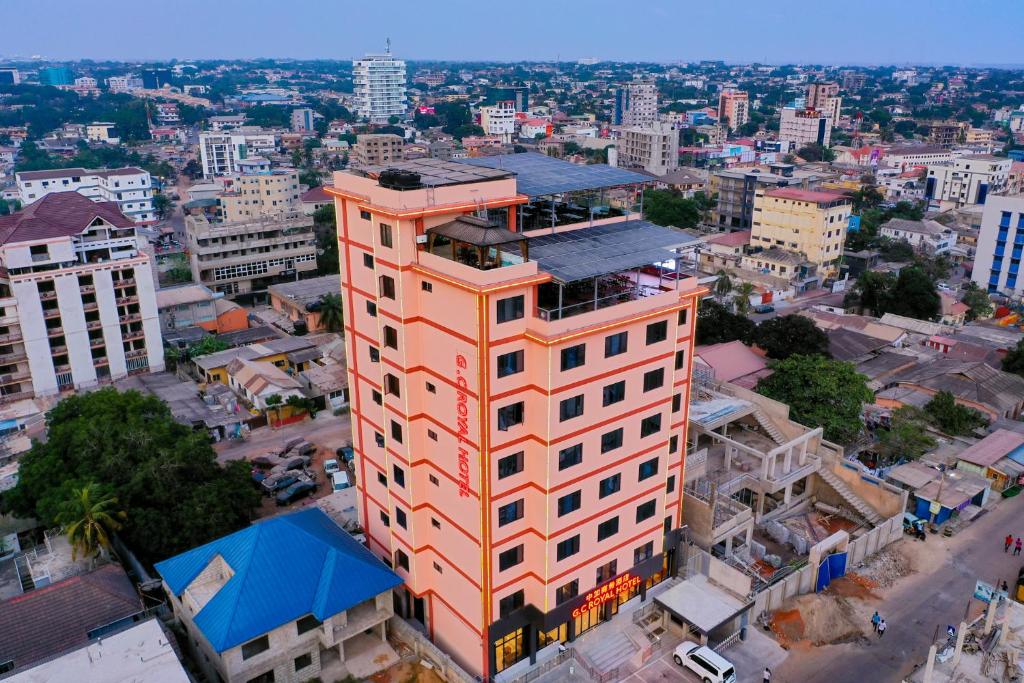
(291, 598)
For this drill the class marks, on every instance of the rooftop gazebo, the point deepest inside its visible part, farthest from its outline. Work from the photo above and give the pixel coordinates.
(478, 243)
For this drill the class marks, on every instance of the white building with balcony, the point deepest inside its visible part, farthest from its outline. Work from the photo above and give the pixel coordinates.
(499, 119)
(378, 82)
(77, 298)
(220, 153)
(130, 188)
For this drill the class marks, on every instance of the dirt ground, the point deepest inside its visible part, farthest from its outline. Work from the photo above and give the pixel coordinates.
(407, 672)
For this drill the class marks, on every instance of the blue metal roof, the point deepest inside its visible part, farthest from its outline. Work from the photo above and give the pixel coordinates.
(284, 568)
(538, 175)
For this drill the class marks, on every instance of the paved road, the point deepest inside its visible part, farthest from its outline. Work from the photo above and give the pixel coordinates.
(937, 594)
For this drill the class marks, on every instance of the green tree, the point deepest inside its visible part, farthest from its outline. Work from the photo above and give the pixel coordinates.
(161, 204)
(670, 207)
(1013, 361)
(906, 438)
(207, 345)
(89, 518)
(820, 393)
(790, 335)
(741, 299)
(716, 324)
(326, 240)
(301, 404)
(163, 474)
(951, 417)
(723, 285)
(871, 292)
(978, 303)
(816, 152)
(331, 312)
(914, 295)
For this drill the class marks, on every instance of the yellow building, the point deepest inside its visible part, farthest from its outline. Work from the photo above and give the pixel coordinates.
(810, 222)
(260, 194)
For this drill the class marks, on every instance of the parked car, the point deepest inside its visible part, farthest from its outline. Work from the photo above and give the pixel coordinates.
(346, 453)
(278, 482)
(265, 461)
(295, 462)
(331, 466)
(705, 662)
(290, 445)
(764, 308)
(296, 491)
(340, 481)
(304, 448)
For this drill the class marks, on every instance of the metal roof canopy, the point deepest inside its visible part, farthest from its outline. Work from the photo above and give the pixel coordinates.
(610, 248)
(538, 175)
(476, 231)
(438, 172)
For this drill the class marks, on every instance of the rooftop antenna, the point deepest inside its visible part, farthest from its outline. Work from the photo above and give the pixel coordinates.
(387, 50)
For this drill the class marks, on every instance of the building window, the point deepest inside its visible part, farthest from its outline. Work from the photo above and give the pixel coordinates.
(374, 354)
(670, 483)
(654, 379)
(567, 457)
(645, 511)
(510, 416)
(609, 486)
(683, 315)
(303, 661)
(574, 357)
(677, 403)
(365, 215)
(401, 559)
(570, 408)
(382, 479)
(376, 396)
(607, 528)
(510, 363)
(647, 469)
(385, 520)
(510, 464)
(437, 568)
(390, 337)
(398, 474)
(567, 548)
(511, 308)
(396, 431)
(569, 503)
(431, 388)
(387, 286)
(657, 332)
(650, 425)
(615, 344)
(255, 646)
(434, 480)
(510, 558)
(371, 309)
(368, 260)
(306, 624)
(607, 571)
(613, 393)
(510, 604)
(392, 385)
(567, 592)
(611, 440)
(426, 287)
(644, 552)
(510, 513)
(680, 359)
(435, 523)
(432, 435)
(385, 235)
(401, 518)
(673, 444)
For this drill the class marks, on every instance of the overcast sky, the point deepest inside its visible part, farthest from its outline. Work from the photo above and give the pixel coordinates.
(774, 31)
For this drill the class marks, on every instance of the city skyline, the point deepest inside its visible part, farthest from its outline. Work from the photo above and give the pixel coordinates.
(913, 32)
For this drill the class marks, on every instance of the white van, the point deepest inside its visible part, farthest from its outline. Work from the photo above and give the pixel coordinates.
(705, 662)
(340, 481)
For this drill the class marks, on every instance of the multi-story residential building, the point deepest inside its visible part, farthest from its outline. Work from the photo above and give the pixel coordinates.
(928, 236)
(654, 148)
(733, 108)
(248, 256)
(55, 75)
(948, 133)
(226, 122)
(736, 189)
(377, 149)
(801, 127)
(501, 469)
(499, 119)
(853, 81)
(220, 153)
(268, 193)
(905, 157)
(9, 76)
(118, 84)
(825, 97)
(378, 82)
(77, 294)
(167, 113)
(809, 222)
(1000, 243)
(252, 617)
(130, 188)
(519, 95)
(636, 104)
(304, 119)
(102, 131)
(966, 180)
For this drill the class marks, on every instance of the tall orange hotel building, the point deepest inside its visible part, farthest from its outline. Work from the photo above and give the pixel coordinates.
(518, 398)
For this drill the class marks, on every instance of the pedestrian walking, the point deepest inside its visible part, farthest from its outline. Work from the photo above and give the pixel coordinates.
(1009, 542)
(881, 628)
(767, 675)
(874, 621)
(1017, 546)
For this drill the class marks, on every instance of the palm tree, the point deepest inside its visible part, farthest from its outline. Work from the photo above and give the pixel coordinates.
(741, 300)
(330, 312)
(723, 285)
(89, 518)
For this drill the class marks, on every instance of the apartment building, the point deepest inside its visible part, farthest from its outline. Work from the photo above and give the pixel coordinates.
(948, 133)
(966, 180)
(220, 153)
(519, 95)
(304, 119)
(733, 108)
(377, 149)
(77, 302)
(654, 148)
(1000, 243)
(378, 82)
(499, 119)
(268, 193)
(636, 104)
(928, 236)
(801, 127)
(102, 131)
(809, 222)
(119, 84)
(130, 188)
(736, 189)
(501, 469)
(825, 98)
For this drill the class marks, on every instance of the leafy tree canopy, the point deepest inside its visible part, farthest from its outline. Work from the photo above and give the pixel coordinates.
(669, 207)
(906, 438)
(1013, 361)
(790, 335)
(978, 303)
(717, 324)
(951, 417)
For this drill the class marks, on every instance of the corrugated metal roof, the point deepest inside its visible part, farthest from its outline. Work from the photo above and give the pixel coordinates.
(538, 175)
(284, 568)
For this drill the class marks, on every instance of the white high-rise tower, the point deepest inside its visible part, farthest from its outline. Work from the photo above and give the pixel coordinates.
(379, 86)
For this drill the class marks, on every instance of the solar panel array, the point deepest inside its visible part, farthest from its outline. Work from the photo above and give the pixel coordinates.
(589, 252)
(437, 172)
(539, 175)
